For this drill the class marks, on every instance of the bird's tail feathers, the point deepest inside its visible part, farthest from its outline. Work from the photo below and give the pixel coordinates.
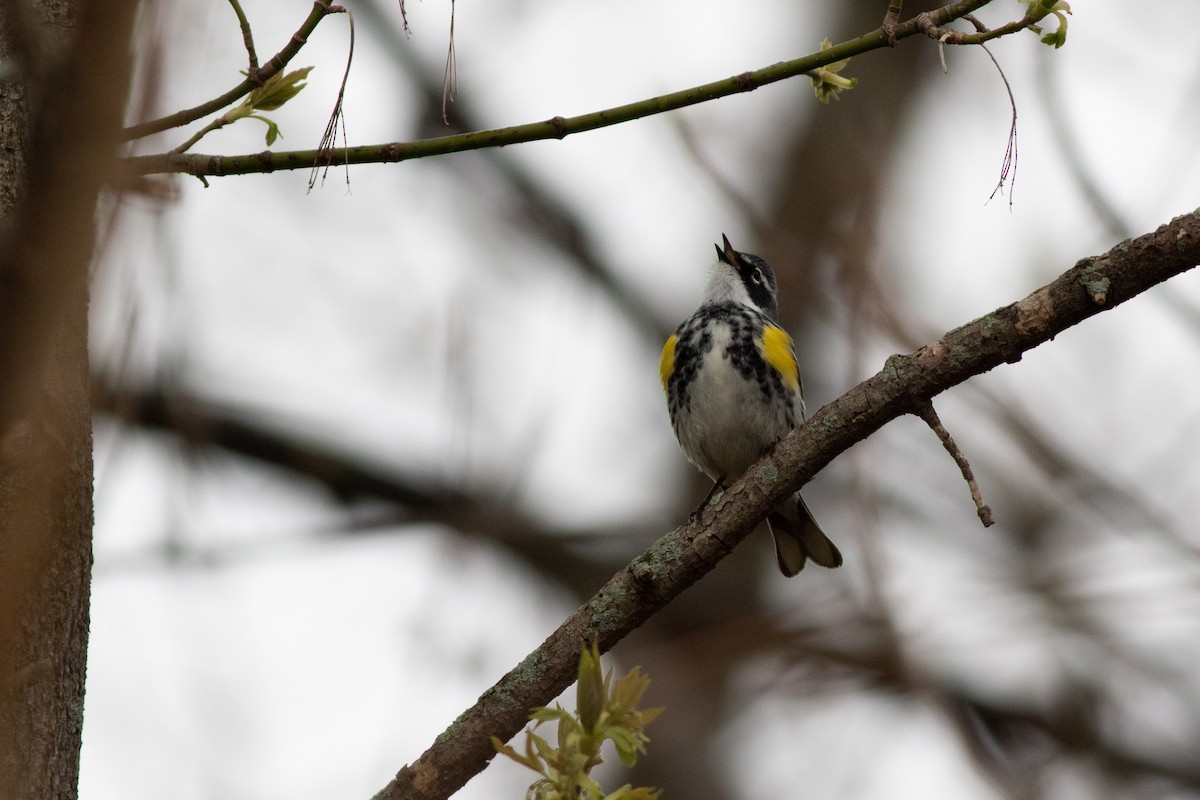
(798, 537)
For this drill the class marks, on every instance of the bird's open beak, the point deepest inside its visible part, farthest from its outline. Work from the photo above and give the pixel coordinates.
(728, 255)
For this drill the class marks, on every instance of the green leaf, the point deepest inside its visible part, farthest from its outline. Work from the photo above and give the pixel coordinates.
(590, 690)
(272, 129)
(1059, 37)
(646, 716)
(278, 89)
(1056, 39)
(569, 734)
(542, 748)
(827, 83)
(628, 691)
(605, 710)
(1039, 9)
(507, 750)
(236, 113)
(590, 788)
(628, 743)
(546, 714)
(272, 132)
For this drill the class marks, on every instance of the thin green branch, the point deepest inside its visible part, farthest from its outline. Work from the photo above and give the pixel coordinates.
(556, 128)
(320, 9)
(216, 124)
(247, 37)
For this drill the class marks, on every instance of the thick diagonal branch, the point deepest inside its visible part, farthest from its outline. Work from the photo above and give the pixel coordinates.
(682, 557)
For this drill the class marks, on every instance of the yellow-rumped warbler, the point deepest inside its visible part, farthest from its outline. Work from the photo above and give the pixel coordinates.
(733, 390)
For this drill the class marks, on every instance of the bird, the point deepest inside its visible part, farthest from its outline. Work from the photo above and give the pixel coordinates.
(733, 390)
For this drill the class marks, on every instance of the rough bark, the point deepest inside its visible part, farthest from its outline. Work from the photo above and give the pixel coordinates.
(59, 127)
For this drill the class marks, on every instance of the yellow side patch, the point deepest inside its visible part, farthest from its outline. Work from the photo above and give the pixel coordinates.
(776, 347)
(666, 364)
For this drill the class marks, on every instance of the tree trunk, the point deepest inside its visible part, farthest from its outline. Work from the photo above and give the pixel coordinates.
(59, 120)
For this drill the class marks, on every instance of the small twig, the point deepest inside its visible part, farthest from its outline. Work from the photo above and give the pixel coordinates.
(926, 23)
(247, 38)
(942, 53)
(337, 117)
(216, 124)
(1009, 165)
(925, 411)
(450, 79)
(404, 19)
(974, 20)
(891, 20)
(946, 36)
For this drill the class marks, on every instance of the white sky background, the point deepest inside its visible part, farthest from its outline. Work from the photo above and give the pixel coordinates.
(288, 661)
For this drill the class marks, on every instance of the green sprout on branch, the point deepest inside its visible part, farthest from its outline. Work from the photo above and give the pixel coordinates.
(604, 711)
(277, 90)
(1039, 9)
(826, 81)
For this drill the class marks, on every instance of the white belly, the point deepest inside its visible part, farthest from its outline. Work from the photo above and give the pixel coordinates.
(729, 422)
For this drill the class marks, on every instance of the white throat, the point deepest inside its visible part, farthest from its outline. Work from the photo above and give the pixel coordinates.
(725, 286)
